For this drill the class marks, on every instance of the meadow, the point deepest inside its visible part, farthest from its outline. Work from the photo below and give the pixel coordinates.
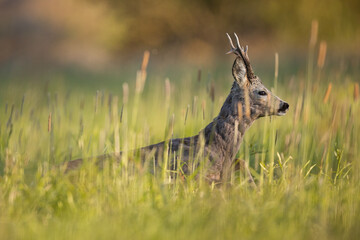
(305, 164)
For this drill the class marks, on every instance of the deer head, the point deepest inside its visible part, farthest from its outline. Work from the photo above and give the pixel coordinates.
(248, 91)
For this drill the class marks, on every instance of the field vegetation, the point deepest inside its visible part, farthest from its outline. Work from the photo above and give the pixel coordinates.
(305, 164)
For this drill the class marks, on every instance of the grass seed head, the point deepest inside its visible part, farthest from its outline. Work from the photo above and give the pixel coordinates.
(322, 54)
(327, 94)
(356, 91)
(314, 32)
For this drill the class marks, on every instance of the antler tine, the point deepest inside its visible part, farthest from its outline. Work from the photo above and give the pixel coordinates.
(244, 54)
(237, 41)
(231, 43)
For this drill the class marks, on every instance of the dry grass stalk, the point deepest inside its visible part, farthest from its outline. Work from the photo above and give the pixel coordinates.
(276, 65)
(203, 105)
(322, 54)
(194, 107)
(269, 102)
(22, 105)
(356, 91)
(143, 73)
(121, 113)
(186, 113)
(171, 126)
(102, 98)
(125, 87)
(110, 99)
(145, 61)
(327, 94)
(240, 110)
(334, 110)
(49, 122)
(138, 83)
(167, 90)
(96, 100)
(116, 127)
(247, 104)
(11, 115)
(212, 92)
(314, 33)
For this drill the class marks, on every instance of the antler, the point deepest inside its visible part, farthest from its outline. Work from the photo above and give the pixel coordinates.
(243, 53)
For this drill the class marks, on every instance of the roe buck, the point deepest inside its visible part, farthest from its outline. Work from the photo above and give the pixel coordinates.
(218, 143)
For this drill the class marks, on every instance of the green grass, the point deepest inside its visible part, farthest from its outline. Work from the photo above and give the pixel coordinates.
(305, 164)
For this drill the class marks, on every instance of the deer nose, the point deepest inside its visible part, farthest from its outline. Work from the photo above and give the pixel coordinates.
(284, 106)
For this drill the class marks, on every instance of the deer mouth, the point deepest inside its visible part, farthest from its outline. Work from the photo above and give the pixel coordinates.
(281, 113)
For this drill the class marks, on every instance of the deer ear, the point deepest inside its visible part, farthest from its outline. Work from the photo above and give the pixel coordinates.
(239, 71)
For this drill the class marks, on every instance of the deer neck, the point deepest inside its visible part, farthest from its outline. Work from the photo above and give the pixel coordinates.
(225, 133)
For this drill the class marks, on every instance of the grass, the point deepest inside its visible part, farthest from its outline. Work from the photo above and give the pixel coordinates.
(306, 164)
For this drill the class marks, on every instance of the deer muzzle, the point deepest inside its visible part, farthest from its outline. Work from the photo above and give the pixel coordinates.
(283, 108)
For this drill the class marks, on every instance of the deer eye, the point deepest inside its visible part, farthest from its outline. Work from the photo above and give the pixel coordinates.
(262, 93)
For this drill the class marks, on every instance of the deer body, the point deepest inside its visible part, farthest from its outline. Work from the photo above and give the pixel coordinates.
(219, 142)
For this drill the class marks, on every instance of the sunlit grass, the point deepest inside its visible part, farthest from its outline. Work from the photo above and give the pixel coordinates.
(305, 164)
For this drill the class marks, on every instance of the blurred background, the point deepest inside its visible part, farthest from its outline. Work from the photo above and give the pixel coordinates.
(98, 35)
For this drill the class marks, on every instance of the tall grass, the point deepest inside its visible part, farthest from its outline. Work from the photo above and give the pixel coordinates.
(305, 164)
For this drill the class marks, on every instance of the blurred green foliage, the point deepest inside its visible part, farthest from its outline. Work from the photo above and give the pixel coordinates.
(93, 33)
(155, 23)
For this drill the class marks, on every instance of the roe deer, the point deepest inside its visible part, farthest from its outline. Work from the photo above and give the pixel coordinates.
(219, 142)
